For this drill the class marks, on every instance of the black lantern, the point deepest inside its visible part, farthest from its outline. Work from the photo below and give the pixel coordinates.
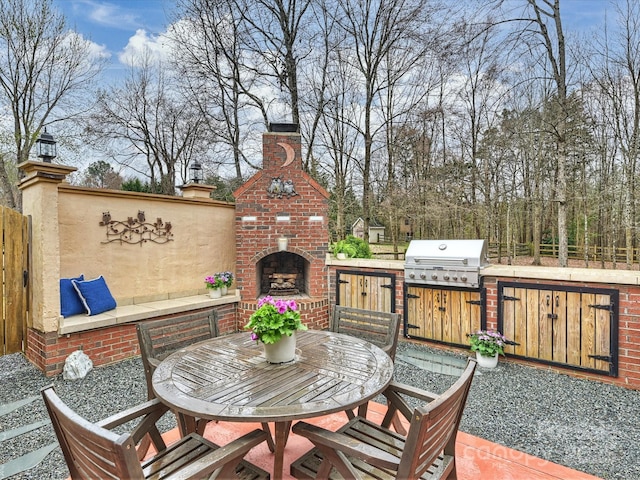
(46, 146)
(196, 172)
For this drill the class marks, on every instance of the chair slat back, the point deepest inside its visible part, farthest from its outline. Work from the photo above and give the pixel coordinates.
(91, 451)
(160, 338)
(434, 427)
(380, 328)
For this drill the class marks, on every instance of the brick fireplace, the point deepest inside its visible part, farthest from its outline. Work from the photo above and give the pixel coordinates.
(282, 231)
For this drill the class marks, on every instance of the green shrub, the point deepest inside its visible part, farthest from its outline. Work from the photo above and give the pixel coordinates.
(352, 247)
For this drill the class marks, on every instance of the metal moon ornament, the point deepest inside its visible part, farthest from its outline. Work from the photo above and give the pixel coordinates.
(291, 154)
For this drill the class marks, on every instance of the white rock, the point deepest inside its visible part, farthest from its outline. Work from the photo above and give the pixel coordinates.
(76, 366)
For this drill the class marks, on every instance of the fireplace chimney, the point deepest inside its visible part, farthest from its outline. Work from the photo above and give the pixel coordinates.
(283, 202)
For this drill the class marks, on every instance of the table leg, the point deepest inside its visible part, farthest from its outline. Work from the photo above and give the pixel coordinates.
(282, 435)
(270, 444)
(186, 424)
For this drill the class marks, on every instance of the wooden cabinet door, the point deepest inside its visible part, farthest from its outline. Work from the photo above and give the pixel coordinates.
(442, 315)
(365, 290)
(570, 326)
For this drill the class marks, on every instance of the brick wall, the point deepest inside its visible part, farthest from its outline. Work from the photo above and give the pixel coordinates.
(106, 345)
(263, 216)
(628, 322)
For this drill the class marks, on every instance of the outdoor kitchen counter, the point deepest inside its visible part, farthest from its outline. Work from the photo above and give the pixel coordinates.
(591, 275)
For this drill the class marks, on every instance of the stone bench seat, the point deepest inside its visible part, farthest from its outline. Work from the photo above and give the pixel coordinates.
(130, 311)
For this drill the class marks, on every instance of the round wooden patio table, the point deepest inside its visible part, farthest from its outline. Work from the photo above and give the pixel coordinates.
(227, 378)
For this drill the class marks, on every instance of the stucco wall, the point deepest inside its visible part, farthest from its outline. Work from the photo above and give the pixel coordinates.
(203, 242)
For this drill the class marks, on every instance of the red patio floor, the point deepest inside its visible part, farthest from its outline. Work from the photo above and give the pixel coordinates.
(476, 459)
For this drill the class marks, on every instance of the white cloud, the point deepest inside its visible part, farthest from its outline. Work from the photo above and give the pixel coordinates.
(158, 46)
(108, 14)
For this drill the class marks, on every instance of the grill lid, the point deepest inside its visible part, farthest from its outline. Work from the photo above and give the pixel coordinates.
(445, 262)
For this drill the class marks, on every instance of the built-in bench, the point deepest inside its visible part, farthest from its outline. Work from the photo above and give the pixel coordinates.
(129, 311)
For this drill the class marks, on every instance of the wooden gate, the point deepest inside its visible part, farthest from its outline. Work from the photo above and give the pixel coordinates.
(443, 315)
(568, 326)
(370, 291)
(15, 247)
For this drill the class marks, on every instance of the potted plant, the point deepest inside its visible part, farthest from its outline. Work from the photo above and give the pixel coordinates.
(487, 344)
(214, 284)
(343, 249)
(351, 247)
(227, 281)
(274, 324)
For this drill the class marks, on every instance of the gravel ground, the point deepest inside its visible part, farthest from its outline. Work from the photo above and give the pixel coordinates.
(585, 425)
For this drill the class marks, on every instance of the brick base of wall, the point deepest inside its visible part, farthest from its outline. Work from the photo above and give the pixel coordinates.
(314, 312)
(48, 351)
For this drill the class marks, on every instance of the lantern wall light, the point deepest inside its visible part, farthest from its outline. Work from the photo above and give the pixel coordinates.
(46, 146)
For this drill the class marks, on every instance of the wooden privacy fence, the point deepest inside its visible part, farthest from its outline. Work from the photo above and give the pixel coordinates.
(15, 254)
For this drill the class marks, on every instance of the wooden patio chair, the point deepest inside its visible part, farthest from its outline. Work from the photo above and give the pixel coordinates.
(160, 338)
(362, 449)
(380, 328)
(92, 450)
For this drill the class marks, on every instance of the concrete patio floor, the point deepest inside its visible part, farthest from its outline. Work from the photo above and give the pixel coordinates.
(476, 459)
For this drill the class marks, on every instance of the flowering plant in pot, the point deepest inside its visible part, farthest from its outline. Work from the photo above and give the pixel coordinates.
(487, 343)
(226, 278)
(274, 319)
(213, 282)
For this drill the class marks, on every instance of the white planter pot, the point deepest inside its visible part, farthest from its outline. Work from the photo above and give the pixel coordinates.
(223, 290)
(282, 351)
(215, 293)
(341, 256)
(487, 362)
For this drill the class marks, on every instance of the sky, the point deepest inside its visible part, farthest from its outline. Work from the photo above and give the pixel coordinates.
(125, 26)
(118, 27)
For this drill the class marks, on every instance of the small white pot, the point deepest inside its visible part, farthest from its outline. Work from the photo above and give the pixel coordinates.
(282, 351)
(487, 362)
(224, 290)
(215, 293)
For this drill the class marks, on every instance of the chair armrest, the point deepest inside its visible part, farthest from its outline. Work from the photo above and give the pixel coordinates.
(149, 412)
(326, 439)
(227, 458)
(153, 364)
(397, 403)
(413, 391)
(153, 407)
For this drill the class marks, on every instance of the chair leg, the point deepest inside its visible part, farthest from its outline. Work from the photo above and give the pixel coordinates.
(143, 447)
(397, 425)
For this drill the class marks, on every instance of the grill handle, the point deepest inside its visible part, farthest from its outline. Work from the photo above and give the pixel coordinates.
(441, 261)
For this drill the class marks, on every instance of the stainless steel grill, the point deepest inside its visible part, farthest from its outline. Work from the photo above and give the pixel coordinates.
(454, 263)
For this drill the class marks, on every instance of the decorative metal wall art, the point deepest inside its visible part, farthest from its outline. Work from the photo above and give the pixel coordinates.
(279, 188)
(136, 230)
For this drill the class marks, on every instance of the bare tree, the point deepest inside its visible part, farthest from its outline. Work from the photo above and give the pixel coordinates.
(42, 66)
(273, 33)
(213, 65)
(615, 65)
(155, 121)
(547, 22)
(374, 32)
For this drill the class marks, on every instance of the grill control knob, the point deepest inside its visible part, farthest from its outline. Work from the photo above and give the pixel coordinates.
(454, 278)
(445, 276)
(423, 276)
(434, 276)
(412, 275)
(463, 278)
